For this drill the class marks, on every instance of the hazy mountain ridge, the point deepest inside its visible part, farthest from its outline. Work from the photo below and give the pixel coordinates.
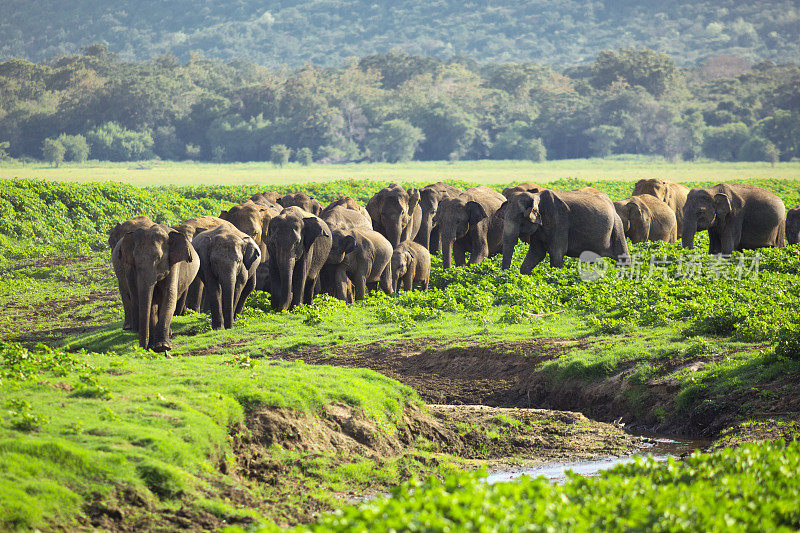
(328, 32)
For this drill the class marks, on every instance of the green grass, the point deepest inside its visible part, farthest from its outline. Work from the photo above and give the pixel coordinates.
(631, 168)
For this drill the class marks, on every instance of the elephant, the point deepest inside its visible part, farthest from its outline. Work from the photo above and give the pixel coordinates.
(268, 198)
(362, 257)
(340, 217)
(395, 213)
(429, 198)
(192, 298)
(302, 200)
(253, 220)
(228, 263)
(298, 243)
(114, 236)
(349, 203)
(157, 265)
(737, 217)
(468, 224)
(671, 193)
(410, 262)
(561, 223)
(793, 226)
(527, 186)
(119, 231)
(646, 218)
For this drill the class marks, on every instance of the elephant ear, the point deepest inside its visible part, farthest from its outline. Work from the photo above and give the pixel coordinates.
(374, 207)
(501, 212)
(348, 244)
(179, 248)
(554, 211)
(312, 229)
(722, 204)
(252, 253)
(475, 212)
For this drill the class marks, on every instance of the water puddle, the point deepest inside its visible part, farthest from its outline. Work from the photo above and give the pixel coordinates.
(659, 447)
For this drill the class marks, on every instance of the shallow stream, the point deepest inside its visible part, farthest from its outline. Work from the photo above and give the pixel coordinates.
(659, 447)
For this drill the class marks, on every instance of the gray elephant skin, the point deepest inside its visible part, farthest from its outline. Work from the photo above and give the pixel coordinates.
(527, 186)
(156, 265)
(411, 263)
(671, 193)
(561, 223)
(362, 257)
(193, 297)
(646, 218)
(301, 200)
(793, 226)
(737, 217)
(395, 213)
(468, 224)
(298, 243)
(429, 197)
(228, 262)
(114, 236)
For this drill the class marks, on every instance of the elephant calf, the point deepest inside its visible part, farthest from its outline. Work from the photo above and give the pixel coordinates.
(228, 263)
(646, 218)
(154, 266)
(410, 262)
(561, 223)
(527, 186)
(671, 193)
(361, 256)
(737, 217)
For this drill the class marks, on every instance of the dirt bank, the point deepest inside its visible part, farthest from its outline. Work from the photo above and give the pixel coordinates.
(509, 374)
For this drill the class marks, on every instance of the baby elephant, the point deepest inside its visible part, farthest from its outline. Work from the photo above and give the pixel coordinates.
(646, 218)
(228, 263)
(362, 256)
(411, 262)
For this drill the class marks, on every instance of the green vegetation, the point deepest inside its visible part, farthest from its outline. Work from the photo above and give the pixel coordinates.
(395, 107)
(89, 436)
(331, 33)
(751, 487)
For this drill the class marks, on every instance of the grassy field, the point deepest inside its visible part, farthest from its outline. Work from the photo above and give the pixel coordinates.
(291, 415)
(151, 173)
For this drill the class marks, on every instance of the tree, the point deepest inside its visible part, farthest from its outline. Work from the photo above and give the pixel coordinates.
(53, 151)
(112, 142)
(75, 146)
(783, 129)
(394, 141)
(279, 154)
(448, 129)
(656, 72)
(4, 147)
(724, 143)
(305, 156)
(518, 142)
(758, 149)
(603, 139)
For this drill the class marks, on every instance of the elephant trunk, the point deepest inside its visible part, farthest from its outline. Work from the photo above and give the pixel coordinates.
(228, 293)
(689, 229)
(447, 249)
(286, 272)
(394, 233)
(424, 234)
(509, 242)
(145, 313)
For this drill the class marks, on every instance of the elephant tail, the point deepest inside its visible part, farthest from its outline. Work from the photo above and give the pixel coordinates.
(780, 240)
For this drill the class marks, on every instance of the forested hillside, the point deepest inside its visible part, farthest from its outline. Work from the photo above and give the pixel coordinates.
(326, 32)
(395, 107)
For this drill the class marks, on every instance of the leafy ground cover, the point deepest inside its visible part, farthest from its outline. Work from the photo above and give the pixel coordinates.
(115, 436)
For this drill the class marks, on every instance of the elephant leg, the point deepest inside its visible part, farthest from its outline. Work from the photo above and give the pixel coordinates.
(714, 242)
(425, 284)
(731, 236)
(194, 294)
(386, 279)
(479, 252)
(459, 254)
(436, 241)
(557, 252)
(308, 295)
(180, 307)
(360, 287)
(299, 289)
(536, 252)
(342, 285)
(408, 281)
(214, 295)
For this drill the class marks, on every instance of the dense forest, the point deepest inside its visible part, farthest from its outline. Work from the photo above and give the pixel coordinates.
(397, 106)
(327, 32)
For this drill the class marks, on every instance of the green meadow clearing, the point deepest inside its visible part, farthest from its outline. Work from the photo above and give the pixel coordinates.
(154, 173)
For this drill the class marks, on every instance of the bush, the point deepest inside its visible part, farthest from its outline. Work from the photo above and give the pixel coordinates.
(112, 142)
(53, 151)
(279, 154)
(77, 149)
(788, 342)
(394, 141)
(304, 156)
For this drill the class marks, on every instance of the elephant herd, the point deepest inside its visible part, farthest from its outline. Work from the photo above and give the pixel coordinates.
(293, 248)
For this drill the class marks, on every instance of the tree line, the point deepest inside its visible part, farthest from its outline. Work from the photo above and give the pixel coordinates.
(396, 107)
